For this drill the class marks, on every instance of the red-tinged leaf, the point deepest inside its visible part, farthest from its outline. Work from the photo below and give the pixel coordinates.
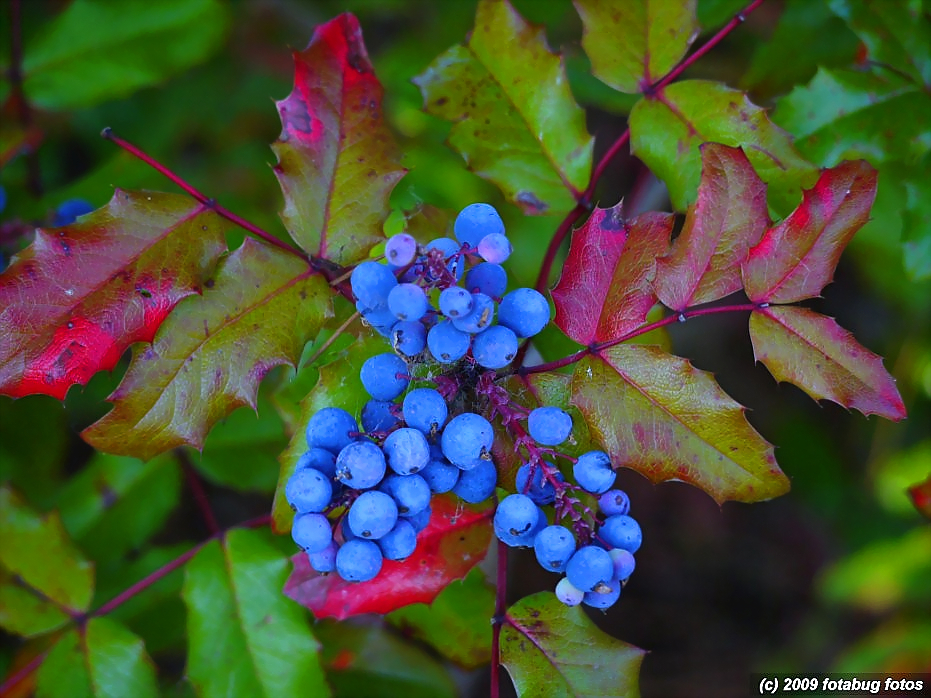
(337, 160)
(727, 219)
(823, 359)
(632, 44)
(454, 542)
(920, 495)
(606, 290)
(514, 119)
(659, 415)
(210, 356)
(72, 302)
(796, 258)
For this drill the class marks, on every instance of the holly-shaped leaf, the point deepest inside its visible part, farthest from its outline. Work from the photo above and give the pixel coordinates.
(659, 415)
(796, 258)
(258, 311)
(727, 219)
(668, 126)
(337, 160)
(244, 637)
(606, 288)
(104, 660)
(514, 119)
(632, 44)
(38, 551)
(550, 649)
(74, 300)
(823, 359)
(455, 541)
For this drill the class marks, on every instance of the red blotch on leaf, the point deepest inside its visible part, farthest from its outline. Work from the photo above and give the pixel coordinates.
(456, 540)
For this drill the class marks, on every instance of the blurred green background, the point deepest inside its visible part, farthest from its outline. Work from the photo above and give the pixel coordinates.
(835, 576)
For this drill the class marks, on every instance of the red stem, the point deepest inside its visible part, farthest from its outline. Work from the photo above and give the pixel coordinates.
(220, 210)
(23, 673)
(197, 489)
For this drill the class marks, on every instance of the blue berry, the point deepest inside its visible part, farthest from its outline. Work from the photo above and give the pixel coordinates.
(593, 472)
(614, 502)
(360, 465)
(621, 532)
(409, 337)
(426, 410)
(549, 426)
(331, 428)
(410, 492)
(515, 520)
(420, 520)
(568, 594)
(377, 415)
(400, 249)
(372, 515)
(624, 563)
(384, 376)
(371, 283)
(590, 568)
(318, 459)
(447, 344)
(358, 560)
(400, 542)
(553, 546)
(440, 475)
(481, 316)
(540, 490)
(525, 311)
(325, 560)
(490, 279)
(308, 490)
(478, 484)
(68, 211)
(495, 348)
(407, 302)
(455, 302)
(311, 532)
(380, 319)
(467, 440)
(476, 221)
(605, 597)
(495, 248)
(407, 450)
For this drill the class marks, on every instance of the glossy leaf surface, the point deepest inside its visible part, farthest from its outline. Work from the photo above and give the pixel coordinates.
(337, 160)
(72, 302)
(261, 307)
(25, 613)
(659, 415)
(606, 290)
(455, 541)
(514, 119)
(244, 637)
(552, 650)
(823, 359)
(727, 219)
(796, 258)
(667, 128)
(634, 43)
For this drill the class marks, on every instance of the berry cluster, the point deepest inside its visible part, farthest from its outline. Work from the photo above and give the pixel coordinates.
(362, 494)
(416, 301)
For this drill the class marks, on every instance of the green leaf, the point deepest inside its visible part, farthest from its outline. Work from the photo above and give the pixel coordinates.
(24, 612)
(38, 550)
(916, 224)
(667, 128)
(842, 114)
(657, 414)
(823, 359)
(338, 385)
(244, 637)
(98, 50)
(242, 450)
(456, 623)
(369, 662)
(260, 308)
(33, 445)
(337, 160)
(104, 661)
(634, 43)
(115, 504)
(514, 119)
(551, 650)
(897, 33)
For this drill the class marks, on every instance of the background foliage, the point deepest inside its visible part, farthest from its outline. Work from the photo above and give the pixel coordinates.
(832, 576)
